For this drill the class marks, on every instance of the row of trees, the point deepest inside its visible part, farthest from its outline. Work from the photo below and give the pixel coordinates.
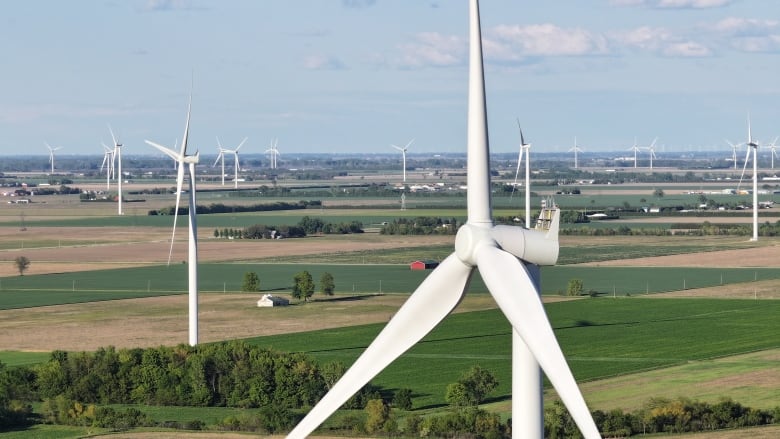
(303, 284)
(222, 208)
(420, 225)
(306, 226)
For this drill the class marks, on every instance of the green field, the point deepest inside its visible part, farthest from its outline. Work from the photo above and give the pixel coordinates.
(600, 338)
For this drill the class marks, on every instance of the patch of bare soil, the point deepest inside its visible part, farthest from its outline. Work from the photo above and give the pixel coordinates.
(133, 250)
(747, 257)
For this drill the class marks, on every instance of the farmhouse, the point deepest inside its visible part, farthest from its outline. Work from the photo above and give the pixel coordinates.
(270, 301)
(423, 265)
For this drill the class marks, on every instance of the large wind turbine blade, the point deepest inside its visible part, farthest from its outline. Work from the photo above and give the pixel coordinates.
(433, 300)
(186, 128)
(515, 293)
(397, 147)
(747, 157)
(113, 137)
(240, 144)
(221, 155)
(478, 178)
(179, 183)
(408, 145)
(167, 151)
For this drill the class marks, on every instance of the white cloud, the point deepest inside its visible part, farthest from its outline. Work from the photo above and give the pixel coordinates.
(322, 62)
(660, 41)
(432, 49)
(544, 40)
(687, 49)
(166, 5)
(749, 34)
(674, 4)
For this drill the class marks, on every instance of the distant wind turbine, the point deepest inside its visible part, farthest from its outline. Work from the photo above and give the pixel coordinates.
(525, 149)
(636, 149)
(403, 153)
(221, 156)
(773, 149)
(274, 152)
(190, 161)
(651, 152)
(733, 152)
(119, 176)
(108, 163)
(575, 149)
(51, 155)
(752, 145)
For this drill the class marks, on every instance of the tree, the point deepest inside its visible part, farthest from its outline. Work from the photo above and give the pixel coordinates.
(403, 399)
(327, 285)
(658, 193)
(377, 414)
(22, 264)
(251, 282)
(575, 287)
(472, 387)
(303, 285)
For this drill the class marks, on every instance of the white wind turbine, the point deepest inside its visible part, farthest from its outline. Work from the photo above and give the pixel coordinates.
(119, 177)
(501, 253)
(651, 152)
(236, 165)
(636, 149)
(752, 145)
(108, 163)
(773, 149)
(221, 157)
(403, 153)
(274, 152)
(190, 161)
(733, 152)
(525, 149)
(575, 149)
(51, 155)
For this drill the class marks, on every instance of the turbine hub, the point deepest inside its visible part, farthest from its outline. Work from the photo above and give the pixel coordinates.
(469, 238)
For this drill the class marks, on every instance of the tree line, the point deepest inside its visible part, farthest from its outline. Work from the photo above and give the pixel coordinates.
(420, 225)
(306, 226)
(222, 208)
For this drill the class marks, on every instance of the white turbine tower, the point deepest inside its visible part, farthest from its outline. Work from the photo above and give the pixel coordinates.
(651, 152)
(403, 153)
(501, 254)
(636, 149)
(119, 177)
(189, 162)
(773, 149)
(221, 157)
(733, 152)
(274, 152)
(752, 145)
(576, 149)
(51, 155)
(108, 163)
(525, 149)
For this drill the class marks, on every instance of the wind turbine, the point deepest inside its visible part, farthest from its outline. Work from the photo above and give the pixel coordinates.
(274, 151)
(118, 156)
(651, 152)
(108, 163)
(501, 253)
(575, 149)
(773, 148)
(733, 152)
(524, 148)
(636, 149)
(403, 153)
(51, 155)
(221, 156)
(183, 159)
(751, 144)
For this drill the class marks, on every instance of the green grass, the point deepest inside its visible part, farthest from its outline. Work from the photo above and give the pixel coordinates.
(17, 358)
(600, 337)
(44, 431)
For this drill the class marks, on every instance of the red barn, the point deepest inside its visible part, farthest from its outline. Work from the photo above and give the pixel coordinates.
(423, 265)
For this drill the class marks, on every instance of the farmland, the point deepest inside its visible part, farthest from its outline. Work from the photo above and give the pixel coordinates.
(97, 279)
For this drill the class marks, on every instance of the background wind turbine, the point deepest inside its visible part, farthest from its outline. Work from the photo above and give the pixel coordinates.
(274, 152)
(119, 176)
(236, 166)
(188, 162)
(403, 153)
(108, 163)
(651, 152)
(500, 253)
(221, 157)
(575, 149)
(51, 155)
(773, 149)
(733, 152)
(636, 149)
(522, 151)
(525, 149)
(752, 145)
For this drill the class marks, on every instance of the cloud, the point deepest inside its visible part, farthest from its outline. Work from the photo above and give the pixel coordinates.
(323, 62)
(167, 5)
(358, 3)
(660, 41)
(432, 49)
(674, 4)
(543, 40)
(749, 34)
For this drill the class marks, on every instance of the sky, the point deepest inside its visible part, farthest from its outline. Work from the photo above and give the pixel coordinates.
(356, 76)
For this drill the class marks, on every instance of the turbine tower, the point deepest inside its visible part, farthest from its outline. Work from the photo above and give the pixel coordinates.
(403, 153)
(733, 152)
(118, 155)
(501, 254)
(752, 145)
(575, 149)
(189, 161)
(773, 148)
(651, 152)
(51, 155)
(221, 157)
(274, 152)
(108, 163)
(636, 149)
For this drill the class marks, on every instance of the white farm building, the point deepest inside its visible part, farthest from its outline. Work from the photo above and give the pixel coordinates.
(269, 301)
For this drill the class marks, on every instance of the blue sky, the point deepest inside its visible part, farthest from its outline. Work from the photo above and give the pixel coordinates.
(359, 75)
